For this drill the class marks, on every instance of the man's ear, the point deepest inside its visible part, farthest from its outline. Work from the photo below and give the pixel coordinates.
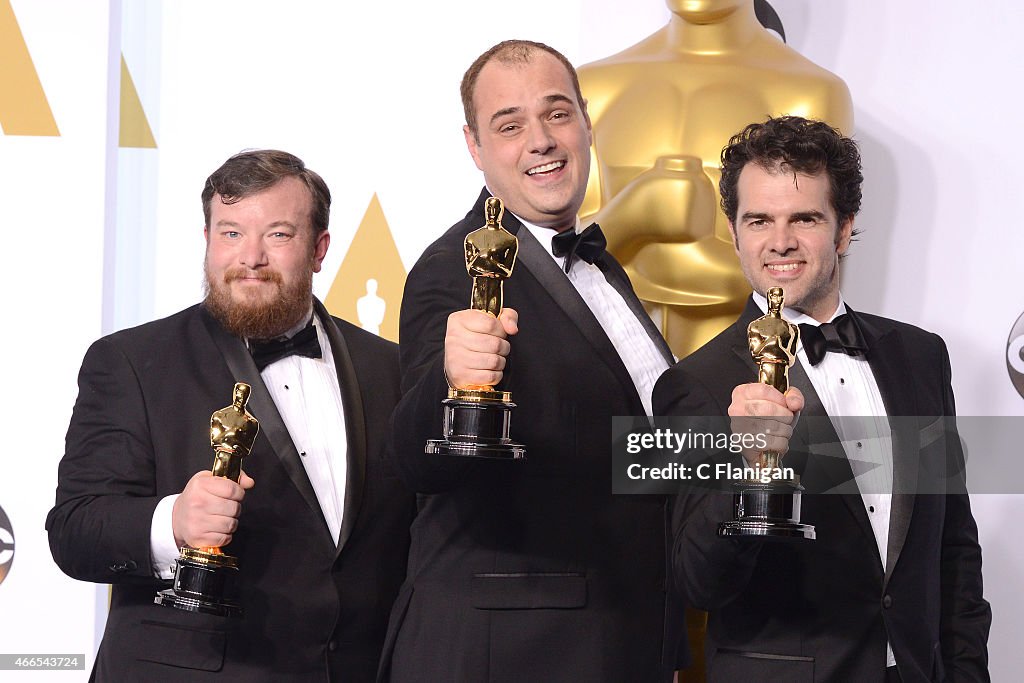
(735, 238)
(586, 117)
(473, 145)
(323, 240)
(844, 237)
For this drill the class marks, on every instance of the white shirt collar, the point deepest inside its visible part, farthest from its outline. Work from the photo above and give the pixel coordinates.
(544, 235)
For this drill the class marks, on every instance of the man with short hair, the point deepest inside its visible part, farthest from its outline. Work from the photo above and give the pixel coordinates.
(530, 570)
(319, 531)
(891, 589)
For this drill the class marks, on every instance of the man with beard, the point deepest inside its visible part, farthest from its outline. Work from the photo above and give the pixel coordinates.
(320, 532)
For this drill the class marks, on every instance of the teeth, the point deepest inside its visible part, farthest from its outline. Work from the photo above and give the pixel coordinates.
(546, 167)
(783, 267)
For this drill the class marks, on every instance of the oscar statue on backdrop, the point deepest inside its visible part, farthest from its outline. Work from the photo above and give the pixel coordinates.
(204, 577)
(662, 110)
(770, 509)
(477, 418)
(370, 308)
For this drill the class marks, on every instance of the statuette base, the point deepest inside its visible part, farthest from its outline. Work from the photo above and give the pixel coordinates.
(767, 510)
(202, 583)
(476, 425)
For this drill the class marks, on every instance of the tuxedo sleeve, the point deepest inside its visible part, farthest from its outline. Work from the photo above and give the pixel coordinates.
(709, 571)
(436, 287)
(965, 614)
(99, 527)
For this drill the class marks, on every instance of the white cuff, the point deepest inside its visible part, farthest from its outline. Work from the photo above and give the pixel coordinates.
(163, 551)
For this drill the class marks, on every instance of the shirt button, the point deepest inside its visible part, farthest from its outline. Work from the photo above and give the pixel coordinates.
(332, 646)
(887, 601)
(871, 508)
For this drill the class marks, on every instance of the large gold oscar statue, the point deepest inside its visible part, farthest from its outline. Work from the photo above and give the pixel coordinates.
(662, 110)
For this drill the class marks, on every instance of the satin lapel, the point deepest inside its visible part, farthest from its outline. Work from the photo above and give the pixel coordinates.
(355, 425)
(262, 406)
(618, 279)
(891, 366)
(535, 258)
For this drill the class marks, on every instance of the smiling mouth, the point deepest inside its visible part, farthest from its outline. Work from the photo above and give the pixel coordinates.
(782, 267)
(546, 168)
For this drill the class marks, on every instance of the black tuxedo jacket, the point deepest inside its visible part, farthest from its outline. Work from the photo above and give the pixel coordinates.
(526, 570)
(822, 610)
(313, 610)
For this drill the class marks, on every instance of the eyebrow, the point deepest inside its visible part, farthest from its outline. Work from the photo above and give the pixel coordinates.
(797, 215)
(811, 214)
(549, 99)
(275, 224)
(507, 111)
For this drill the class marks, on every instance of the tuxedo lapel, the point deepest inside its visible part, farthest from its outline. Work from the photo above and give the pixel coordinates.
(261, 405)
(355, 424)
(891, 366)
(535, 258)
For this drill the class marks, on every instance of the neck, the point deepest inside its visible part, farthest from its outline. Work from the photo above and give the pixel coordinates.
(715, 34)
(561, 226)
(823, 309)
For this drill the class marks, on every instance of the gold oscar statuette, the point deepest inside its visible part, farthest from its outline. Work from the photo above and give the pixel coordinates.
(477, 418)
(204, 577)
(773, 508)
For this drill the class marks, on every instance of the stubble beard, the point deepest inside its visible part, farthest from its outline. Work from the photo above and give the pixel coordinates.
(816, 292)
(263, 317)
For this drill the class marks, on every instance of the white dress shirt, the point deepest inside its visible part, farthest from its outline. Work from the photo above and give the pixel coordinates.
(308, 398)
(850, 395)
(639, 354)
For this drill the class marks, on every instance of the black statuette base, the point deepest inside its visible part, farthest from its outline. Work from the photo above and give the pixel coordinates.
(477, 429)
(202, 587)
(767, 510)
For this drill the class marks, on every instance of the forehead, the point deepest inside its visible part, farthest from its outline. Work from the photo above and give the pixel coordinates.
(503, 85)
(287, 200)
(778, 188)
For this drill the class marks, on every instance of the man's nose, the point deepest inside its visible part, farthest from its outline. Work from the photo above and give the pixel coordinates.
(253, 254)
(782, 238)
(541, 139)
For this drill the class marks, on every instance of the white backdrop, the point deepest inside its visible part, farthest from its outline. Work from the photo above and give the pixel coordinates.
(100, 237)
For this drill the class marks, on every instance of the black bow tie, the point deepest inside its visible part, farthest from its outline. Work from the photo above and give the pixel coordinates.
(304, 343)
(587, 245)
(842, 335)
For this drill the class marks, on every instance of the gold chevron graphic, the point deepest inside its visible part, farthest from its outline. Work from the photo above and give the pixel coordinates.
(371, 256)
(23, 106)
(135, 130)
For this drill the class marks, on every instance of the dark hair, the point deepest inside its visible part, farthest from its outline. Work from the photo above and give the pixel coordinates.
(253, 171)
(509, 52)
(798, 145)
